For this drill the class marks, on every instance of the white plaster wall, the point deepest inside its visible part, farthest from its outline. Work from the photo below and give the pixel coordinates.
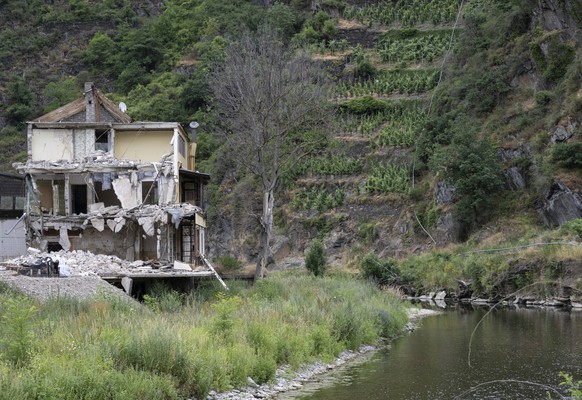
(145, 146)
(14, 244)
(52, 144)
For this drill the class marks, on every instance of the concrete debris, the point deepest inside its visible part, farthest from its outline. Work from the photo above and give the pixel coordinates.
(96, 161)
(64, 239)
(123, 188)
(98, 223)
(86, 263)
(182, 266)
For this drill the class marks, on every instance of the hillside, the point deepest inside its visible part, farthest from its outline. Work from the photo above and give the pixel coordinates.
(451, 129)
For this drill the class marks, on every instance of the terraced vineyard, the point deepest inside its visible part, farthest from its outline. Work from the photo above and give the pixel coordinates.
(384, 91)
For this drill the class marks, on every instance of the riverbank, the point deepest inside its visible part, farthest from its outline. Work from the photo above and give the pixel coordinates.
(182, 346)
(287, 380)
(542, 269)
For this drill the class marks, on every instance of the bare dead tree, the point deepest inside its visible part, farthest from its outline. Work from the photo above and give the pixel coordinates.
(273, 111)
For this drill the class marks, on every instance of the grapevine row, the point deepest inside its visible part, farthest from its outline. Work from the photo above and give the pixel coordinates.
(405, 12)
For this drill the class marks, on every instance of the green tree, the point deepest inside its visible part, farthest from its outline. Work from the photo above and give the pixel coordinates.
(282, 18)
(315, 261)
(60, 93)
(568, 155)
(101, 53)
(20, 101)
(469, 163)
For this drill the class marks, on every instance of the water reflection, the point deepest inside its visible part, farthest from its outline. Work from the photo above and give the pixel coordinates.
(509, 348)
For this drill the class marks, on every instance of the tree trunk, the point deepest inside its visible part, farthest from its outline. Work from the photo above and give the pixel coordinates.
(267, 224)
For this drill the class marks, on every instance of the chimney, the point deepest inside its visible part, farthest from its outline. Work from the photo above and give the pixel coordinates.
(90, 115)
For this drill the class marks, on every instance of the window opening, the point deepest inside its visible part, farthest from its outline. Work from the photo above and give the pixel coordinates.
(181, 146)
(79, 202)
(187, 251)
(152, 189)
(102, 140)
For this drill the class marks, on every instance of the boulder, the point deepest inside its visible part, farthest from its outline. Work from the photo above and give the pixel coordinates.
(504, 155)
(560, 205)
(564, 131)
(465, 290)
(445, 228)
(444, 193)
(441, 295)
(514, 179)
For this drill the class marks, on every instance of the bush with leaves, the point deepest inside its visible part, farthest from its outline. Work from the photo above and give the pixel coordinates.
(573, 387)
(60, 93)
(568, 155)
(384, 272)
(574, 226)
(470, 165)
(20, 101)
(315, 261)
(17, 335)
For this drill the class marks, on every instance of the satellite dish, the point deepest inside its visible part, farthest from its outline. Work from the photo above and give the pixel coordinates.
(194, 124)
(122, 106)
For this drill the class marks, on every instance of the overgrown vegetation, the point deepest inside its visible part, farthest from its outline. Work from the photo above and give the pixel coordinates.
(412, 45)
(316, 261)
(406, 12)
(109, 349)
(318, 198)
(385, 178)
(538, 270)
(388, 82)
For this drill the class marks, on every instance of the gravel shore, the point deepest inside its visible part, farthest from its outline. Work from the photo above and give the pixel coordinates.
(45, 288)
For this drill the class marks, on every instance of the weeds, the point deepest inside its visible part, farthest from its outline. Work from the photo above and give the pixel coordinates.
(213, 342)
(17, 330)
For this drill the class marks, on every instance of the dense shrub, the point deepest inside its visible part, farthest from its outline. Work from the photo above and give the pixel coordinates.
(228, 263)
(568, 155)
(364, 105)
(315, 261)
(555, 60)
(365, 70)
(384, 272)
(574, 226)
(543, 98)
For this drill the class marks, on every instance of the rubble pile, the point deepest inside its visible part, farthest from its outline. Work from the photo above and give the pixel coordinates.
(85, 263)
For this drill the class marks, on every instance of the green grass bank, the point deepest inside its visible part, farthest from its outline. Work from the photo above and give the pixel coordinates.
(530, 262)
(178, 346)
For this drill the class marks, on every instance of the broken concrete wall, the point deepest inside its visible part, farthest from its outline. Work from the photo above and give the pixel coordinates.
(120, 244)
(126, 189)
(167, 189)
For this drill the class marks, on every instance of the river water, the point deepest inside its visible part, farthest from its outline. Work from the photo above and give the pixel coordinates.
(509, 348)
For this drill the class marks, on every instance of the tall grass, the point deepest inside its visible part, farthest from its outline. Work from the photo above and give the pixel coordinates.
(538, 270)
(102, 349)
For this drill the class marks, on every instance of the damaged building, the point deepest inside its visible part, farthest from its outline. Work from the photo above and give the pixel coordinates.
(97, 181)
